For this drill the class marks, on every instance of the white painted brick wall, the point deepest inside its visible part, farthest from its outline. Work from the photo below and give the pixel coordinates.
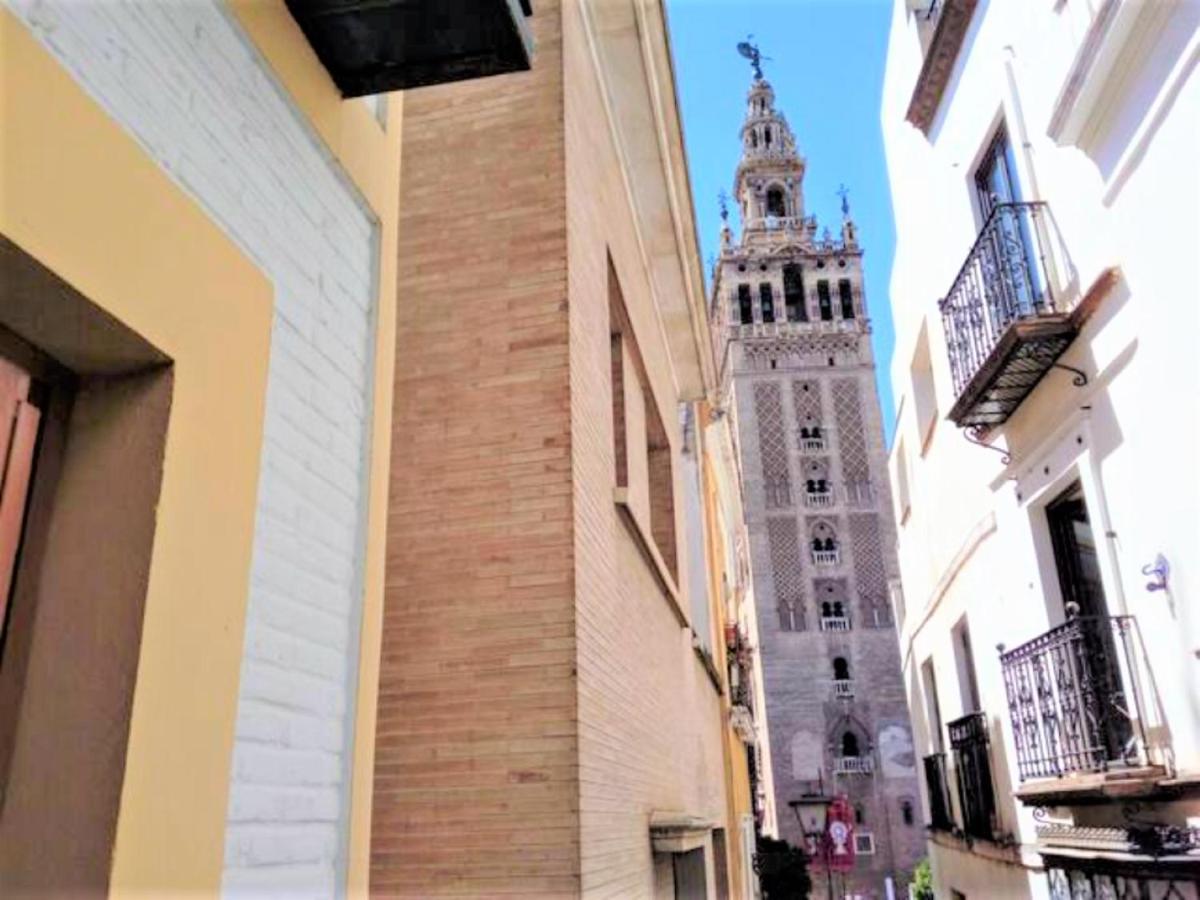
(186, 83)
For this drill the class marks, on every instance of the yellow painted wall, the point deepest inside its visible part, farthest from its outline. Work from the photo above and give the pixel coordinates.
(737, 772)
(370, 155)
(90, 205)
(80, 195)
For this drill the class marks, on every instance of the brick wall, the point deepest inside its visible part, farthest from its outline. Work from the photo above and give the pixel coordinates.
(476, 776)
(650, 721)
(186, 82)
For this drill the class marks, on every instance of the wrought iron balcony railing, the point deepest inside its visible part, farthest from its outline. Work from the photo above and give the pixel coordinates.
(973, 773)
(835, 623)
(818, 499)
(939, 795)
(853, 765)
(843, 688)
(826, 557)
(1004, 325)
(1076, 698)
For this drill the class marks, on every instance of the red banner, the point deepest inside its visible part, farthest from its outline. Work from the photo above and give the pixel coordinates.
(839, 835)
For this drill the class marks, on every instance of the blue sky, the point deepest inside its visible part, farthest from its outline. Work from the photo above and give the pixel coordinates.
(826, 65)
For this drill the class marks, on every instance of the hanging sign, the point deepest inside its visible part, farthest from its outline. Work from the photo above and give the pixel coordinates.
(839, 835)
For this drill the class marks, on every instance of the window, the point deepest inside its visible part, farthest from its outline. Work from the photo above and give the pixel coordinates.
(859, 817)
(864, 843)
(841, 669)
(903, 502)
(745, 304)
(824, 304)
(906, 812)
(775, 201)
(996, 175)
(1075, 557)
(793, 294)
(19, 419)
(849, 742)
(641, 450)
(924, 396)
(766, 297)
(964, 657)
(846, 297)
(932, 708)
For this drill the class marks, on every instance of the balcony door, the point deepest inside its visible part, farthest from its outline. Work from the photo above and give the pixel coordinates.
(1077, 562)
(1010, 276)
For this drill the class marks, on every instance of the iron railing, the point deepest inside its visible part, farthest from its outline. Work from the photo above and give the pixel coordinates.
(973, 773)
(1075, 698)
(1006, 278)
(853, 765)
(939, 795)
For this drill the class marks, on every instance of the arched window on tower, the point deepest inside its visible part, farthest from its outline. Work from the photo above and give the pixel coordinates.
(793, 294)
(849, 743)
(753, 138)
(775, 201)
(767, 297)
(745, 305)
(767, 136)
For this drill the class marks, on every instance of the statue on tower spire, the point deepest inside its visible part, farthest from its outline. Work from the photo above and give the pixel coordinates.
(752, 53)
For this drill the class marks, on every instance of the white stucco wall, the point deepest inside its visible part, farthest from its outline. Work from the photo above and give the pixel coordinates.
(187, 84)
(1126, 194)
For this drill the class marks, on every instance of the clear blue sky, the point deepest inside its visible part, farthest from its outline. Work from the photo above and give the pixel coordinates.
(826, 65)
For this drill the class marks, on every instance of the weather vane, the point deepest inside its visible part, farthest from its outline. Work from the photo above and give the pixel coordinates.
(752, 53)
(844, 194)
(723, 205)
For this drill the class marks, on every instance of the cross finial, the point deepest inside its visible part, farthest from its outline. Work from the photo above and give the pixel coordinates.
(845, 195)
(750, 50)
(723, 205)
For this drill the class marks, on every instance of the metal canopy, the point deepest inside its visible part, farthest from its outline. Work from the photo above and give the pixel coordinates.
(376, 46)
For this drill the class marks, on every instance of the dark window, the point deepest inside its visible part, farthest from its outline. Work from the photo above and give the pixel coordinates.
(1076, 559)
(846, 295)
(745, 307)
(968, 684)
(859, 817)
(932, 708)
(767, 298)
(906, 811)
(793, 294)
(775, 204)
(841, 669)
(849, 744)
(996, 177)
(824, 304)
(1075, 553)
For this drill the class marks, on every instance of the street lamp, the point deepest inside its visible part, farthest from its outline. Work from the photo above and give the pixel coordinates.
(812, 812)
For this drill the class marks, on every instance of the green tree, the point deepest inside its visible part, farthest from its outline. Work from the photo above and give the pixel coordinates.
(782, 870)
(923, 881)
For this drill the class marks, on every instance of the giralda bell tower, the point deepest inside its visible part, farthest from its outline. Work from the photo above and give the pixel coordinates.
(794, 340)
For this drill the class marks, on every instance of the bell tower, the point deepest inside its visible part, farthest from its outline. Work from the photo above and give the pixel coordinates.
(794, 343)
(769, 184)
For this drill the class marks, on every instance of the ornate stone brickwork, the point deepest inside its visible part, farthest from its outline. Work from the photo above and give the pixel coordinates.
(786, 573)
(806, 401)
(868, 570)
(768, 409)
(847, 408)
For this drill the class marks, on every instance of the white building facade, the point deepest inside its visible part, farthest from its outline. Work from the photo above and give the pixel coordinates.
(1042, 156)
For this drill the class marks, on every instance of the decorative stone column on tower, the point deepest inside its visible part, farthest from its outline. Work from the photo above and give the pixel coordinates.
(794, 341)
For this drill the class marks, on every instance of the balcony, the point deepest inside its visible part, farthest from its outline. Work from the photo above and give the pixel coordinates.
(939, 795)
(835, 623)
(826, 558)
(942, 25)
(388, 45)
(853, 765)
(973, 774)
(1077, 702)
(843, 688)
(1004, 326)
(818, 499)
(812, 445)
